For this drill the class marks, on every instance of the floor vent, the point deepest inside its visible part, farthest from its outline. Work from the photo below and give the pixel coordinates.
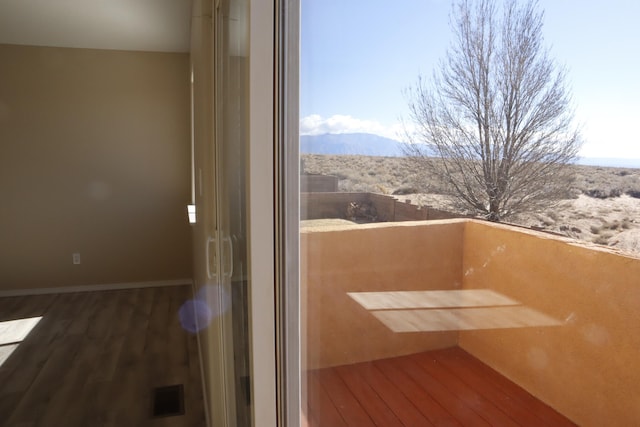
(168, 401)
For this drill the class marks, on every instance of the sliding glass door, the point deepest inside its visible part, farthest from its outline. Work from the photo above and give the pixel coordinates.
(229, 230)
(221, 139)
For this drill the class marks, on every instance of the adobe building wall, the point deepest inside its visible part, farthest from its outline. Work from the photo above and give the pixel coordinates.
(335, 205)
(314, 183)
(328, 205)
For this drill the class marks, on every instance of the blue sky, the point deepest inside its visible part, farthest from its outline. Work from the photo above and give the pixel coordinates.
(357, 56)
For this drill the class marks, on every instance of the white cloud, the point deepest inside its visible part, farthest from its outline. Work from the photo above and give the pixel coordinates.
(315, 124)
(611, 135)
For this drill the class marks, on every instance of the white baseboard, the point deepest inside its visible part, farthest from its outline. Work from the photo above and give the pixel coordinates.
(95, 288)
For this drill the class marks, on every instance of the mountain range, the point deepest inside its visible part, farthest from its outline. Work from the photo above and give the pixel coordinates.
(366, 144)
(363, 144)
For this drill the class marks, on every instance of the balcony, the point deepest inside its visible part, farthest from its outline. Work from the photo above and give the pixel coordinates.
(462, 322)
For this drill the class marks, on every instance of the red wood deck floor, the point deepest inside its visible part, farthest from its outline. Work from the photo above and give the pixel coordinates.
(438, 388)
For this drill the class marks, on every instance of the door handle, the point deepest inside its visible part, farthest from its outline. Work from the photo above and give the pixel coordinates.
(228, 272)
(210, 274)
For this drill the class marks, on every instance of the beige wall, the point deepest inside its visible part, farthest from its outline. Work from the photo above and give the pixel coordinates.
(587, 368)
(377, 257)
(94, 158)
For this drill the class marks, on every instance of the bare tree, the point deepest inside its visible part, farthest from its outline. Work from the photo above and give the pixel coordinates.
(495, 121)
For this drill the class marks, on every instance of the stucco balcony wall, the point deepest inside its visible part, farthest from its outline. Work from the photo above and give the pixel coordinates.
(373, 258)
(587, 367)
(581, 359)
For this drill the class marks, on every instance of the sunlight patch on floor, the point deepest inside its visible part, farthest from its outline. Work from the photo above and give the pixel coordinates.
(12, 333)
(464, 319)
(430, 299)
(449, 310)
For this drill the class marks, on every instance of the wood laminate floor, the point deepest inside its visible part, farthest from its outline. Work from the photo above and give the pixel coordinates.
(94, 357)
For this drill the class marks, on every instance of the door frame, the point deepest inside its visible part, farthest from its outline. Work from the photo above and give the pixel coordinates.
(261, 212)
(289, 294)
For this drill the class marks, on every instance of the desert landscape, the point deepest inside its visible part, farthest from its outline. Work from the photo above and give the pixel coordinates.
(602, 205)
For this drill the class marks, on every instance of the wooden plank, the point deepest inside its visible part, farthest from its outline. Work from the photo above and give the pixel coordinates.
(396, 400)
(67, 306)
(124, 305)
(322, 411)
(35, 399)
(62, 408)
(464, 410)
(159, 316)
(6, 350)
(8, 307)
(81, 319)
(158, 340)
(527, 408)
(8, 402)
(88, 363)
(134, 344)
(346, 403)
(425, 403)
(15, 331)
(129, 397)
(467, 394)
(377, 409)
(110, 339)
(177, 336)
(104, 316)
(518, 411)
(32, 306)
(23, 366)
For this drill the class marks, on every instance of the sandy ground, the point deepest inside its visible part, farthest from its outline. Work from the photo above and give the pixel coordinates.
(613, 222)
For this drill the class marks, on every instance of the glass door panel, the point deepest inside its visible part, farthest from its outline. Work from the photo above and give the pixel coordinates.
(434, 315)
(230, 130)
(220, 88)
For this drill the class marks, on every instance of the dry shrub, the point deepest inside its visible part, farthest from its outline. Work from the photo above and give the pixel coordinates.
(405, 190)
(368, 173)
(615, 225)
(553, 215)
(599, 193)
(634, 193)
(548, 222)
(603, 239)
